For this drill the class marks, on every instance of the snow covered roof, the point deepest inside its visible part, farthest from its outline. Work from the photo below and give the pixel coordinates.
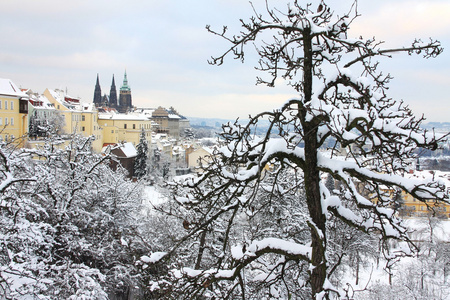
(129, 150)
(159, 136)
(114, 116)
(7, 87)
(173, 116)
(40, 102)
(72, 103)
(209, 150)
(88, 107)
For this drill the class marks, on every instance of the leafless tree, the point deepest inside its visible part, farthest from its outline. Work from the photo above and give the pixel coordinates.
(341, 95)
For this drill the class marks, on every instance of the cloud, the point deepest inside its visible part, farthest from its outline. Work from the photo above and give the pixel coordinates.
(164, 47)
(403, 20)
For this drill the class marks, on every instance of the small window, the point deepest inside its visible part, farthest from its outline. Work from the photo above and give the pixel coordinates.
(1, 120)
(6, 104)
(134, 126)
(125, 126)
(6, 120)
(83, 118)
(1, 104)
(112, 131)
(82, 128)
(12, 121)
(12, 105)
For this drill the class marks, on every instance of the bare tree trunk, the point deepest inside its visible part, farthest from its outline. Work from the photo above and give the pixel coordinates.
(312, 179)
(201, 249)
(357, 267)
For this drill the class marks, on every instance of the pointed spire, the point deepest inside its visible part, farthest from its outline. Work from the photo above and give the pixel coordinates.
(125, 102)
(113, 94)
(97, 93)
(125, 86)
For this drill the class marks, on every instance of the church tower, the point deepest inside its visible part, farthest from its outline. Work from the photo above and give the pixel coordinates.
(113, 95)
(97, 94)
(125, 103)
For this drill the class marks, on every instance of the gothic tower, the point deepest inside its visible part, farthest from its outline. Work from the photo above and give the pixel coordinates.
(125, 103)
(113, 95)
(97, 94)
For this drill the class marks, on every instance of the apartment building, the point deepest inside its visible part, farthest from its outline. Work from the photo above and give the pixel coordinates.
(79, 118)
(124, 127)
(13, 111)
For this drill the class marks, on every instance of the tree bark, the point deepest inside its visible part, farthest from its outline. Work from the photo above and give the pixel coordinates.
(312, 177)
(201, 249)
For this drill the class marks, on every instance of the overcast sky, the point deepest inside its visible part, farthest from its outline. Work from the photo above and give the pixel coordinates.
(164, 47)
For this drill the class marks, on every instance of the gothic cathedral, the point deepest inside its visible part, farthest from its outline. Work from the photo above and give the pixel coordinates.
(123, 104)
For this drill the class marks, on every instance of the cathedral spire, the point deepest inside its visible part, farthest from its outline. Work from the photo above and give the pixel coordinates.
(97, 93)
(125, 103)
(113, 94)
(125, 86)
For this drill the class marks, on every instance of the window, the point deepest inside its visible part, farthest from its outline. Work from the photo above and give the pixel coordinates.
(12, 121)
(82, 128)
(6, 104)
(83, 118)
(6, 121)
(1, 120)
(134, 126)
(112, 131)
(1, 104)
(124, 126)
(12, 105)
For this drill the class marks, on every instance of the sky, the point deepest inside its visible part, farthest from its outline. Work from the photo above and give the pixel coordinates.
(164, 48)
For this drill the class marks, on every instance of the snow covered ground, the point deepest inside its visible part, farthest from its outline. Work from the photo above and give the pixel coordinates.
(152, 197)
(373, 277)
(412, 277)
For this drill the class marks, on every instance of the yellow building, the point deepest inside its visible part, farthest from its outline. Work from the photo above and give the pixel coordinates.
(161, 117)
(79, 118)
(89, 126)
(124, 127)
(411, 207)
(193, 158)
(69, 107)
(13, 112)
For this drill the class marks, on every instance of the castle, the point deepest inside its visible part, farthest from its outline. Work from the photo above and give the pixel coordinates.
(123, 105)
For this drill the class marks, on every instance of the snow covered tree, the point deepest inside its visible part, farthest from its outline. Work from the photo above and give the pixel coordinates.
(140, 163)
(69, 224)
(33, 126)
(342, 95)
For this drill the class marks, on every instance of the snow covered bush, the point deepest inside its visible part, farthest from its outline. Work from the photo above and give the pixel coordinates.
(69, 224)
(230, 212)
